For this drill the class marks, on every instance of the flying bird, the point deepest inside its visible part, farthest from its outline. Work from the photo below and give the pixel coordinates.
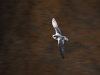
(59, 37)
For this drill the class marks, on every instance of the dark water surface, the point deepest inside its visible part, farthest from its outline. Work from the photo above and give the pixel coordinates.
(26, 46)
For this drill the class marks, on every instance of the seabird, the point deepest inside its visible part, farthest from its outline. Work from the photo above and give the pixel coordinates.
(58, 36)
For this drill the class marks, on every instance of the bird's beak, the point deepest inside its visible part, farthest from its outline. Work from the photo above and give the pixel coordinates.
(54, 38)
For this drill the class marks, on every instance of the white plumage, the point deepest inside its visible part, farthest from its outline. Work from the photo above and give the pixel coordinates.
(59, 37)
(54, 23)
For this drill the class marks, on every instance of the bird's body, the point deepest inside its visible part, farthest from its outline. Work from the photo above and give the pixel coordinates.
(58, 36)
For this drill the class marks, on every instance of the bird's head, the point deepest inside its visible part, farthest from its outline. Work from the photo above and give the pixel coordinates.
(54, 37)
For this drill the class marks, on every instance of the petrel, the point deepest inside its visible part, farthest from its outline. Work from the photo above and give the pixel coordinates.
(59, 37)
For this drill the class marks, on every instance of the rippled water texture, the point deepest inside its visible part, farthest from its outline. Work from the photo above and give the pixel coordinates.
(26, 46)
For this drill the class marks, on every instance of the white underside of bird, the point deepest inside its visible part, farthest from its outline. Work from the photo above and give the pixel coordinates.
(58, 36)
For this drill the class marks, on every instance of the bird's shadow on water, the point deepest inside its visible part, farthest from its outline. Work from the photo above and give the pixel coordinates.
(71, 47)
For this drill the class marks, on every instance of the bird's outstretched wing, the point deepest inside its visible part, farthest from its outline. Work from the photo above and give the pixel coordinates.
(54, 23)
(61, 46)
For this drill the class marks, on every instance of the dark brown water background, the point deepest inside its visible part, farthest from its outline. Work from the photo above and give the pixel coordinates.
(26, 46)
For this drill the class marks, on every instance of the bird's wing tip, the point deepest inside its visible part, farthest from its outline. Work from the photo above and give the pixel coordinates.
(54, 23)
(53, 19)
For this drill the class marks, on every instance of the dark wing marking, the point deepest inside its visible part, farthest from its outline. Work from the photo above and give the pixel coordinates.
(57, 30)
(61, 46)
